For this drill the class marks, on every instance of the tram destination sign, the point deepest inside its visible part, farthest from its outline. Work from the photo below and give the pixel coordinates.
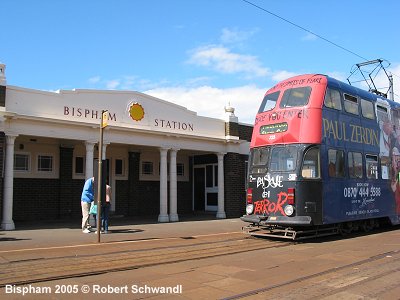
(274, 128)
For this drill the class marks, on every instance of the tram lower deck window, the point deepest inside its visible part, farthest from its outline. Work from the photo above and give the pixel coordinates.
(311, 164)
(371, 166)
(336, 163)
(355, 165)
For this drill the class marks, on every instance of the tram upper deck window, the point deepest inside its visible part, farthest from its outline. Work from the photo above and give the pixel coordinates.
(382, 113)
(269, 102)
(367, 109)
(295, 97)
(351, 104)
(259, 160)
(283, 158)
(355, 165)
(332, 99)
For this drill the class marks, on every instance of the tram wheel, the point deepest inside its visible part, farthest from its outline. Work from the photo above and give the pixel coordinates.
(368, 225)
(346, 228)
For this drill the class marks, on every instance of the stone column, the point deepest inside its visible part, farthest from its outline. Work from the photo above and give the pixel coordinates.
(221, 194)
(173, 199)
(7, 222)
(89, 159)
(163, 217)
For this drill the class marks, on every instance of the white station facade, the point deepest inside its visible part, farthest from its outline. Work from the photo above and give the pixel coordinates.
(162, 159)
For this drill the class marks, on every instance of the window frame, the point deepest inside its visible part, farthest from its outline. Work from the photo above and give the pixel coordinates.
(354, 166)
(38, 160)
(265, 101)
(122, 167)
(315, 173)
(83, 165)
(143, 166)
(29, 162)
(285, 100)
(330, 91)
(336, 166)
(366, 114)
(349, 102)
(369, 161)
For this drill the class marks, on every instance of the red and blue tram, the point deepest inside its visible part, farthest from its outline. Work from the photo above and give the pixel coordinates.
(324, 159)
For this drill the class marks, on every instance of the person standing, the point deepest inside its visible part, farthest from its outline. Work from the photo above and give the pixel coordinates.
(86, 201)
(105, 209)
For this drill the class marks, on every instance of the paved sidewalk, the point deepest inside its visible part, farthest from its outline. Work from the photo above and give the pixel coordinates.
(68, 233)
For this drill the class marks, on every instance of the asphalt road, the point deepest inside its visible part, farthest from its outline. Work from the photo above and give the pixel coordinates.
(208, 259)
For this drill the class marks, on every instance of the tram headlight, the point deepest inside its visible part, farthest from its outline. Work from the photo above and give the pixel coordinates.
(289, 210)
(249, 208)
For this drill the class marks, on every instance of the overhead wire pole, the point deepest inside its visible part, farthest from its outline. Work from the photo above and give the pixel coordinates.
(391, 88)
(103, 124)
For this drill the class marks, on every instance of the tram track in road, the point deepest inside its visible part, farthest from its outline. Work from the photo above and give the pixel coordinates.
(54, 263)
(322, 284)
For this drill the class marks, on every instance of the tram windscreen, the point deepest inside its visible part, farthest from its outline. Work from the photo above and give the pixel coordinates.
(269, 102)
(275, 158)
(283, 158)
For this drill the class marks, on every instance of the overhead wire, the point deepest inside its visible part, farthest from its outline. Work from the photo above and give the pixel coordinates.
(309, 31)
(305, 29)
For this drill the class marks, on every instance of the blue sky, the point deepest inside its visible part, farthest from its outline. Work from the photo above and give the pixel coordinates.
(202, 54)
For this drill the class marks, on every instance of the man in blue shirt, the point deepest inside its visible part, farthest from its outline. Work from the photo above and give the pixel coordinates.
(86, 201)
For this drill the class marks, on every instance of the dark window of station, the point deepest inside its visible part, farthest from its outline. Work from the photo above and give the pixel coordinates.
(21, 162)
(180, 169)
(79, 165)
(119, 167)
(147, 168)
(211, 176)
(45, 163)
(336, 163)
(295, 97)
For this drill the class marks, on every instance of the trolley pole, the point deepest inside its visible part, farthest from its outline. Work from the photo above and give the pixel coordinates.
(391, 88)
(103, 124)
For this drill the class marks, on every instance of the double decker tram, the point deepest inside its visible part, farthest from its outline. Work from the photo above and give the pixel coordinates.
(324, 159)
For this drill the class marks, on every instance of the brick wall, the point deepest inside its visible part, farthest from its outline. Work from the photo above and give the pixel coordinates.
(2, 95)
(49, 199)
(234, 184)
(245, 132)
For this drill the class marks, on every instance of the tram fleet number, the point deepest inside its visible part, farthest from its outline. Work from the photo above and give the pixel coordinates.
(363, 190)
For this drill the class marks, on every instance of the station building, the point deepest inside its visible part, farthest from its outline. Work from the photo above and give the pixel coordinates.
(162, 159)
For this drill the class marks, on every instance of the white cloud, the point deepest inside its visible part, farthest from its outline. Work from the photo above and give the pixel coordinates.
(309, 37)
(282, 75)
(221, 59)
(210, 101)
(94, 80)
(113, 84)
(233, 36)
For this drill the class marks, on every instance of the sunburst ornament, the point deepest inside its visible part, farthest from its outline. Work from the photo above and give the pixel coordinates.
(136, 111)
